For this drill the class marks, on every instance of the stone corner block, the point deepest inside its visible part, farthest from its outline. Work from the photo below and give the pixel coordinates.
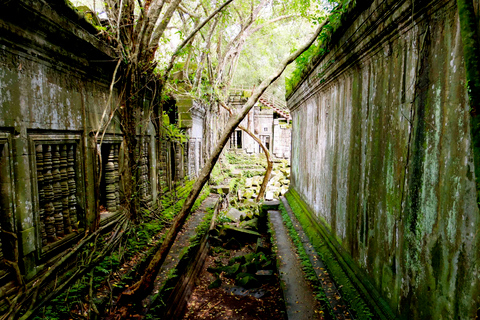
(28, 241)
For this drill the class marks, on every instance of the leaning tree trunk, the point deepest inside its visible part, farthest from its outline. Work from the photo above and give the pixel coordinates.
(144, 286)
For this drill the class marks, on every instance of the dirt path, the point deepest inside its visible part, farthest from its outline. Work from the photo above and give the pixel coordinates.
(232, 302)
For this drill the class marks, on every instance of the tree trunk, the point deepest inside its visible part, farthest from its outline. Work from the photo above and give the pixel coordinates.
(130, 114)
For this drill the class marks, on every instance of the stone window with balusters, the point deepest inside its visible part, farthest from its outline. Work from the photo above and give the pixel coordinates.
(58, 186)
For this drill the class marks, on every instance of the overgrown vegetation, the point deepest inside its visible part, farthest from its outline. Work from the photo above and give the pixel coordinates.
(82, 298)
(78, 299)
(140, 85)
(306, 61)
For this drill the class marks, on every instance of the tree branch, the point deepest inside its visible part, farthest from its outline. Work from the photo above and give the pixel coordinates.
(147, 25)
(203, 54)
(192, 34)
(160, 29)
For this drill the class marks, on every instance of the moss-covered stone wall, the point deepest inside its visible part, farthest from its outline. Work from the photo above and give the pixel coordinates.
(382, 154)
(54, 87)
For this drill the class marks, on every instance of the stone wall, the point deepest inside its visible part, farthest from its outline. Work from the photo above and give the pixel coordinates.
(191, 119)
(54, 87)
(263, 124)
(282, 138)
(381, 154)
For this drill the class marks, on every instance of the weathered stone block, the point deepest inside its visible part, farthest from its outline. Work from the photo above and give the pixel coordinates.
(28, 241)
(220, 189)
(183, 123)
(24, 206)
(234, 214)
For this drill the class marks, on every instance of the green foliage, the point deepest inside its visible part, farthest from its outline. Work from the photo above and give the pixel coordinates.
(305, 61)
(172, 202)
(172, 132)
(222, 218)
(248, 174)
(235, 184)
(217, 175)
(232, 158)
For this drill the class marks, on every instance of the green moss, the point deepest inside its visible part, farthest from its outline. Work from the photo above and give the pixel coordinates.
(173, 202)
(306, 61)
(361, 295)
(347, 289)
(471, 56)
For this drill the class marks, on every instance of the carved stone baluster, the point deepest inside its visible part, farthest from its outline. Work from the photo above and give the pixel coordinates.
(49, 196)
(1, 249)
(41, 194)
(162, 167)
(65, 191)
(117, 174)
(72, 187)
(142, 172)
(57, 190)
(110, 189)
(146, 178)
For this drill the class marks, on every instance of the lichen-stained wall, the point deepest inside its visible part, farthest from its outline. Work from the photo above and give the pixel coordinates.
(52, 97)
(381, 153)
(54, 92)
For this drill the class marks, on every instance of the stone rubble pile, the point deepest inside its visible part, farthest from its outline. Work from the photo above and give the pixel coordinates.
(277, 185)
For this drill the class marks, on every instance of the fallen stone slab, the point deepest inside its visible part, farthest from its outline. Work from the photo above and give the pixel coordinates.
(220, 189)
(251, 224)
(269, 196)
(261, 246)
(234, 214)
(240, 234)
(268, 205)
